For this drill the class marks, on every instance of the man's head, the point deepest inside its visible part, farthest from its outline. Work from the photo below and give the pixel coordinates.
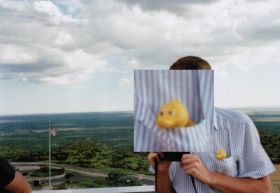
(190, 63)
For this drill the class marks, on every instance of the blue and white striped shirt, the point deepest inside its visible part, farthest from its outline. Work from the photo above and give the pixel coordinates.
(236, 133)
(153, 88)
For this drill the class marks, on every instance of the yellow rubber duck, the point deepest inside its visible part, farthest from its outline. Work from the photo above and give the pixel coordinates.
(173, 115)
(221, 154)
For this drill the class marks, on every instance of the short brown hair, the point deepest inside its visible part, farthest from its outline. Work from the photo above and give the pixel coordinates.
(190, 63)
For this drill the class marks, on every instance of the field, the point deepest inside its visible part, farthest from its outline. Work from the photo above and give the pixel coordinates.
(114, 129)
(31, 131)
(265, 119)
(102, 142)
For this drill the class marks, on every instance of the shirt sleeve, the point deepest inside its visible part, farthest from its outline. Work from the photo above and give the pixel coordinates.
(7, 172)
(253, 161)
(152, 169)
(173, 169)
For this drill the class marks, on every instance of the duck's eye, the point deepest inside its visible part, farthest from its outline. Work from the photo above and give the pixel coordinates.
(161, 113)
(170, 112)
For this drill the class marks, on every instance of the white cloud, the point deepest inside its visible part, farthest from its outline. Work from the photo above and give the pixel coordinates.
(15, 54)
(14, 5)
(81, 59)
(63, 38)
(125, 82)
(50, 65)
(39, 45)
(70, 42)
(51, 10)
(54, 45)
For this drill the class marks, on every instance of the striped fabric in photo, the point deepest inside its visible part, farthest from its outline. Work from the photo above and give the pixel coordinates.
(153, 88)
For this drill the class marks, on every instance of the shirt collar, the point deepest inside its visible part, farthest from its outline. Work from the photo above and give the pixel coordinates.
(215, 120)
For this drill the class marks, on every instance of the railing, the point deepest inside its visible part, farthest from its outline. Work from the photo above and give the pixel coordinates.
(131, 189)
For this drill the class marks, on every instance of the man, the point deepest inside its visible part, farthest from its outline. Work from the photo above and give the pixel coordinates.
(245, 169)
(10, 180)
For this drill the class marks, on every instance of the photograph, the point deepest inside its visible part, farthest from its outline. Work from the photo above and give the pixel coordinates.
(173, 110)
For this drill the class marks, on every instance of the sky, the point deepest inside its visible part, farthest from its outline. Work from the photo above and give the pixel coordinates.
(79, 56)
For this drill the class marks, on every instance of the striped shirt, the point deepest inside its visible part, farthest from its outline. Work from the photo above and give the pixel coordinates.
(237, 135)
(193, 88)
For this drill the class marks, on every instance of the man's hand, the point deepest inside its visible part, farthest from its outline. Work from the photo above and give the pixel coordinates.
(163, 183)
(194, 167)
(153, 157)
(163, 166)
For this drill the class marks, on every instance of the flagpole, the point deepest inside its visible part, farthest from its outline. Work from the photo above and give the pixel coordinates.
(50, 171)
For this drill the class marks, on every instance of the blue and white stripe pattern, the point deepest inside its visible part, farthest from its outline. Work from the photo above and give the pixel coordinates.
(237, 134)
(194, 88)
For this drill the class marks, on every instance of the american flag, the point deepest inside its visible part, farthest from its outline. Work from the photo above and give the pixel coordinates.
(53, 131)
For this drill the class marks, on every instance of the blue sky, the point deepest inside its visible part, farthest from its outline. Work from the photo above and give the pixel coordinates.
(77, 56)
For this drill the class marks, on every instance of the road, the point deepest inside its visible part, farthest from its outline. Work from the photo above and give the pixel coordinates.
(148, 180)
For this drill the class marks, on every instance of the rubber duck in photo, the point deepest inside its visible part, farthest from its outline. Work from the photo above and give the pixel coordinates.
(173, 115)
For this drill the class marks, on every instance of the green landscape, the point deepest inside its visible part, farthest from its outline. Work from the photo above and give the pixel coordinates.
(98, 143)
(100, 158)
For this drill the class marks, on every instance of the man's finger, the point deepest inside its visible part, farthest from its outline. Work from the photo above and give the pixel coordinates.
(160, 154)
(191, 172)
(188, 160)
(152, 157)
(187, 156)
(157, 158)
(191, 166)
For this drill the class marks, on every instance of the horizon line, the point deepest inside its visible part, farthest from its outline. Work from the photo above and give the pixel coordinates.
(131, 111)
(73, 112)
